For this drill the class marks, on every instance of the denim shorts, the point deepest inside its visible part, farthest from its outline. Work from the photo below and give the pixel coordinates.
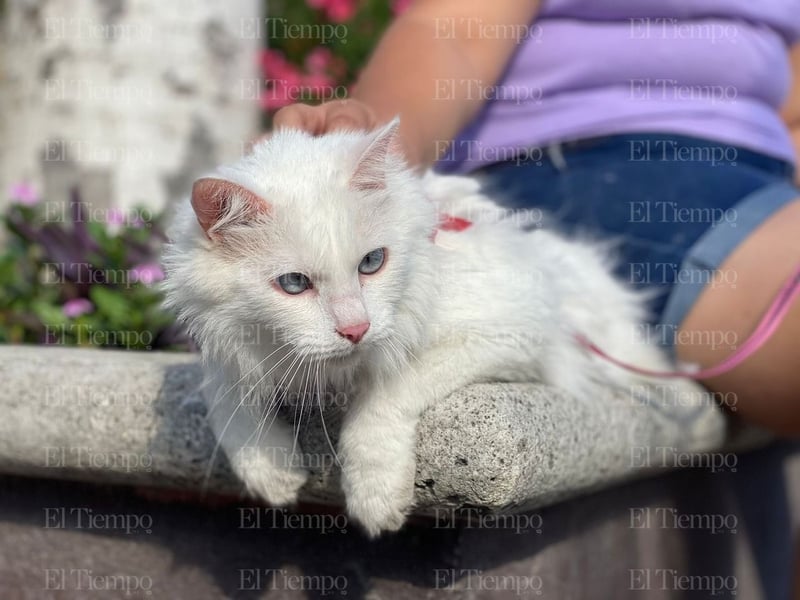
(676, 206)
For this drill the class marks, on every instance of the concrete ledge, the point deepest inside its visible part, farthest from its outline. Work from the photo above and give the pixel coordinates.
(136, 418)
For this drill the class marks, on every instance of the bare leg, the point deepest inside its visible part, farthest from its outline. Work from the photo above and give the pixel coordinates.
(767, 384)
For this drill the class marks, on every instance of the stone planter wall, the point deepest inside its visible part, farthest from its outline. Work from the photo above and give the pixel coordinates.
(522, 492)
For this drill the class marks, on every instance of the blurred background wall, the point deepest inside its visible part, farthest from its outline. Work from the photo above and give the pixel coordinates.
(129, 99)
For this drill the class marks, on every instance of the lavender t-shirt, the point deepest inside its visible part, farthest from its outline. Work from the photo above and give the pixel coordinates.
(716, 69)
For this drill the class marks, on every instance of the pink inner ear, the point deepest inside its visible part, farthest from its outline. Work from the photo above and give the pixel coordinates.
(215, 199)
(370, 173)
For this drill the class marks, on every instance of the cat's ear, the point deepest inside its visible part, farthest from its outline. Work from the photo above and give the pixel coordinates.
(370, 173)
(218, 203)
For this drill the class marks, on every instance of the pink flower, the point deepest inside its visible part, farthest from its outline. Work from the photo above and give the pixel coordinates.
(285, 83)
(318, 60)
(276, 67)
(115, 216)
(271, 60)
(340, 11)
(278, 95)
(77, 307)
(337, 11)
(324, 69)
(23, 193)
(283, 80)
(146, 273)
(400, 6)
(318, 83)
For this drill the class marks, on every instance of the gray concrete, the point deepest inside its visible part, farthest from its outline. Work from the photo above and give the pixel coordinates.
(130, 426)
(602, 546)
(136, 418)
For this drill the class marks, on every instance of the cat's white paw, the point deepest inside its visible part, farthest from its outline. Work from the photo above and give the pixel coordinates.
(277, 485)
(379, 502)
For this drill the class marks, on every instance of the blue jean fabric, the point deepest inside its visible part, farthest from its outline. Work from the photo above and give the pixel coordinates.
(672, 203)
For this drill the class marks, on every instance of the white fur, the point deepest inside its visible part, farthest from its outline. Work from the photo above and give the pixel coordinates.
(490, 303)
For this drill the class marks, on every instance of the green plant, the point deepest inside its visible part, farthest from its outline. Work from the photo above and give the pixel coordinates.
(78, 278)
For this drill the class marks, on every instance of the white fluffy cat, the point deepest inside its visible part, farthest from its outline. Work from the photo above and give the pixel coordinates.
(330, 244)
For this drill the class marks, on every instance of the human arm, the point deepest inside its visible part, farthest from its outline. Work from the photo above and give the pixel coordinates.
(791, 108)
(426, 68)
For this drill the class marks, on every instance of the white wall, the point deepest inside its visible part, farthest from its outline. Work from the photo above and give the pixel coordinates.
(131, 99)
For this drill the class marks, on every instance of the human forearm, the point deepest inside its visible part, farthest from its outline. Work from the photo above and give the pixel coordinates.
(408, 76)
(432, 67)
(791, 108)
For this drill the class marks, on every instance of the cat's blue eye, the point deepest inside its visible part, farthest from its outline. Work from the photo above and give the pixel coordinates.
(293, 283)
(372, 261)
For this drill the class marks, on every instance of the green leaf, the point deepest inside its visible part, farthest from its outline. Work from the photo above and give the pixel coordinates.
(49, 314)
(110, 302)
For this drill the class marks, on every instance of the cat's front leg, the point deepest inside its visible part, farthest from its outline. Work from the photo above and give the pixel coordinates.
(377, 451)
(377, 443)
(262, 454)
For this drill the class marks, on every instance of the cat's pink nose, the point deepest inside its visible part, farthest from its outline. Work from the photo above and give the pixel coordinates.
(354, 333)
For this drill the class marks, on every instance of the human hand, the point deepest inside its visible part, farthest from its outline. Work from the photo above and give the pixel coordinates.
(326, 117)
(332, 116)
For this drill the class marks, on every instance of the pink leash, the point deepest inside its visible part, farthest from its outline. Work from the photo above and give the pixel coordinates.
(766, 327)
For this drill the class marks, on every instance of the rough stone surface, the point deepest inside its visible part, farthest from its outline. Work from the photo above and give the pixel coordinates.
(137, 418)
(607, 545)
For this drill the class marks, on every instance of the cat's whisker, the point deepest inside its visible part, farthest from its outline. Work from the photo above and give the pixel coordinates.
(274, 403)
(318, 382)
(401, 373)
(240, 404)
(325, 427)
(302, 363)
(302, 399)
(401, 352)
(389, 357)
(243, 377)
(407, 349)
(392, 360)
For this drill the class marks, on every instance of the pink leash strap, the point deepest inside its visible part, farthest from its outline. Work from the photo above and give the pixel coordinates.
(766, 327)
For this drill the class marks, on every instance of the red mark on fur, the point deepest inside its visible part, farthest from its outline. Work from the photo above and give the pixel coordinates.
(450, 223)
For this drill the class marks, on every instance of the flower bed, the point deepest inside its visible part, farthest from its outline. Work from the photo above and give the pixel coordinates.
(76, 276)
